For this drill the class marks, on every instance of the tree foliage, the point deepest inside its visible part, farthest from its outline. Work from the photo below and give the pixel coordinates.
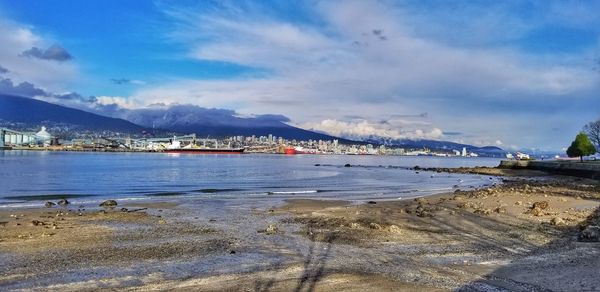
(593, 131)
(581, 147)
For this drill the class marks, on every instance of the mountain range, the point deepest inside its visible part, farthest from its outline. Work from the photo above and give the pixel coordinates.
(23, 113)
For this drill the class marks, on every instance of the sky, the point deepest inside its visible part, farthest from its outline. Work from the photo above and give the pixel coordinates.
(513, 74)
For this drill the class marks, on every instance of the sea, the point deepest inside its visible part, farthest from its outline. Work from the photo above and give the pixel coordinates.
(29, 178)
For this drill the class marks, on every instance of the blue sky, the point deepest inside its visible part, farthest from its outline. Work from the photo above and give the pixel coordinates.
(507, 73)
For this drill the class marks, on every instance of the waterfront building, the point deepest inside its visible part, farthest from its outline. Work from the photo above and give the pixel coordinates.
(16, 138)
(43, 137)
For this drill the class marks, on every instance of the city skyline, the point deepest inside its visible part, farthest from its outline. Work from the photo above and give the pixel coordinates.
(512, 75)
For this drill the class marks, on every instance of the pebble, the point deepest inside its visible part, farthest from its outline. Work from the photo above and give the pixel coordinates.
(557, 221)
(271, 229)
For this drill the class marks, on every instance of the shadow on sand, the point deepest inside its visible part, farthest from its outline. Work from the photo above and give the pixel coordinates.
(567, 263)
(312, 270)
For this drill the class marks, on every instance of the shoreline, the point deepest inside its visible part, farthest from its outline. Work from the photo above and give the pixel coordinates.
(501, 237)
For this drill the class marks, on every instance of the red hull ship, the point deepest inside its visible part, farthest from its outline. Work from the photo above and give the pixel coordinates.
(296, 150)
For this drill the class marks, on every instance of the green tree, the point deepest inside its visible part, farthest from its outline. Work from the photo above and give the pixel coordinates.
(581, 147)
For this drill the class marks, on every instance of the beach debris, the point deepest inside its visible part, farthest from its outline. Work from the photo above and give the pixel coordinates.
(537, 209)
(541, 205)
(109, 203)
(590, 234)
(355, 225)
(49, 204)
(500, 210)
(557, 221)
(483, 211)
(394, 229)
(421, 201)
(458, 197)
(37, 223)
(63, 202)
(423, 211)
(271, 229)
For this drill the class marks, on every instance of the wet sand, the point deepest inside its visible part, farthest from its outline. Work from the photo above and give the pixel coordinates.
(522, 235)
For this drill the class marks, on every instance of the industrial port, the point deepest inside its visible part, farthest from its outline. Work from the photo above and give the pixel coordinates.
(192, 144)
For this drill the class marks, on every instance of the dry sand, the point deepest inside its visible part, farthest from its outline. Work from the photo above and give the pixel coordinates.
(521, 235)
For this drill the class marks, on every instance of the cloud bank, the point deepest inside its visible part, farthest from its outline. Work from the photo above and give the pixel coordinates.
(373, 59)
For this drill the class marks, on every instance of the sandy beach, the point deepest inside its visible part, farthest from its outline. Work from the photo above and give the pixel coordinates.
(533, 232)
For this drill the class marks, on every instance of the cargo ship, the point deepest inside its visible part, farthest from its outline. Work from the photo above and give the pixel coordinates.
(205, 150)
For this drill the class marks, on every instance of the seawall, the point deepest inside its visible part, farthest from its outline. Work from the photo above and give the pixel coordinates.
(588, 169)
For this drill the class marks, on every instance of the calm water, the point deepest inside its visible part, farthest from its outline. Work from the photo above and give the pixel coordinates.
(28, 177)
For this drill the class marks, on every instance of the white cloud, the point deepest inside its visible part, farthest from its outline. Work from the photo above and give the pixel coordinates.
(364, 129)
(122, 102)
(15, 39)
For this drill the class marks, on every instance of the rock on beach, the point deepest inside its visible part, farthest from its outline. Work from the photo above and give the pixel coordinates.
(109, 203)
